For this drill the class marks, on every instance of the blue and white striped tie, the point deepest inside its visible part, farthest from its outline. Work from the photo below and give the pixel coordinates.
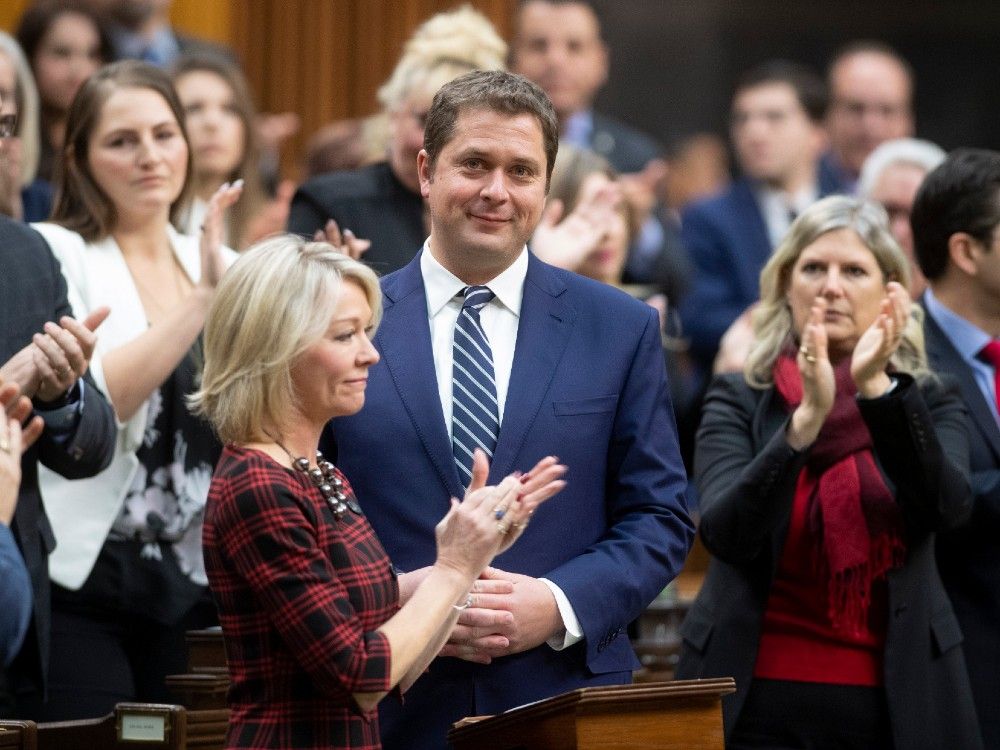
(475, 420)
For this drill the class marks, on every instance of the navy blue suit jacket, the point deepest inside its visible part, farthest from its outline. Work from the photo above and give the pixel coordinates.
(588, 384)
(727, 241)
(969, 557)
(33, 291)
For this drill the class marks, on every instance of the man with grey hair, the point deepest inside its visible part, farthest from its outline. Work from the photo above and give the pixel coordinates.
(483, 345)
(891, 176)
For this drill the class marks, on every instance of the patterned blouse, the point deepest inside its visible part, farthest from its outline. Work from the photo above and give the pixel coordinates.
(300, 594)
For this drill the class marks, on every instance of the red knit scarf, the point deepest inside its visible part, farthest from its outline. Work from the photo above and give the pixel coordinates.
(849, 509)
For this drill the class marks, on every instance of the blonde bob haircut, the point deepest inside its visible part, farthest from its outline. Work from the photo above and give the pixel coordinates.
(772, 320)
(273, 303)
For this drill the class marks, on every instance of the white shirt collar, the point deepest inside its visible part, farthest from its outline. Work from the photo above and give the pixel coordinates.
(441, 285)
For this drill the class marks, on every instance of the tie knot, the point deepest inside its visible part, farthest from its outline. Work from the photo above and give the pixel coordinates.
(991, 353)
(476, 297)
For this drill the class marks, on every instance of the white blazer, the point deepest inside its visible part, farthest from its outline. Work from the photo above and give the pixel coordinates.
(82, 511)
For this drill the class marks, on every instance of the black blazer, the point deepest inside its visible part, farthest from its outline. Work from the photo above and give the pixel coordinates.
(626, 148)
(370, 202)
(32, 292)
(746, 474)
(969, 557)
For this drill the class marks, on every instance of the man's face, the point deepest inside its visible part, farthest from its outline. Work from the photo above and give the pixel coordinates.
(485, 192)
(559, 47)
(869, 104)
(895, 190)
(773, 135)
(406, 137)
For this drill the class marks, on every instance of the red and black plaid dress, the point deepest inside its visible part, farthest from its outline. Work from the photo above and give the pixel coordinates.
(300, 594)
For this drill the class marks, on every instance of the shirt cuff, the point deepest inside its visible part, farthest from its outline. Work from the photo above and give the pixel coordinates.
(62, 421)
(573, 632)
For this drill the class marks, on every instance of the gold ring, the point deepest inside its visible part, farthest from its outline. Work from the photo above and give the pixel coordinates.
(501, 529)
(62, 372)
(4, 445)
(810, 359)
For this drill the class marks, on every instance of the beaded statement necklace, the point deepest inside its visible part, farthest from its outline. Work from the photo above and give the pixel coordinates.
(325, 479)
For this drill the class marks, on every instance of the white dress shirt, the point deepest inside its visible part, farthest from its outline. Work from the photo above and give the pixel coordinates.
(777, 207)
(499, 318)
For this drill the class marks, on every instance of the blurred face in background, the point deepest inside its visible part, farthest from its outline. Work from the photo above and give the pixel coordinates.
(406, 136)
(870, 103)
(137, 153)
(606, 261)
(67, 55)
(10, 146)
(216, 131)
(559, 47)
(774, 138)
(895, 189)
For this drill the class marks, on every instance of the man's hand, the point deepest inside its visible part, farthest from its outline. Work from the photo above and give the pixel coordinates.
(62, 353)
(22, 370)
(499, 624)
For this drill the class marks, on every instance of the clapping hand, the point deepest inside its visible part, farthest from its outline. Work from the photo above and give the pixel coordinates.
(566, 242)
(63, 352)
(818, 385)
(877, 345)
(344, 241)
(212, 231)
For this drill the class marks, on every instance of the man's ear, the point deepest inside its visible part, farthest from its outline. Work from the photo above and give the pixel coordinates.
(964, 251)
(425, 172)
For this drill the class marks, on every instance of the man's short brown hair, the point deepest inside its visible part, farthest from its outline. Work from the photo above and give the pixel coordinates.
(495, 90)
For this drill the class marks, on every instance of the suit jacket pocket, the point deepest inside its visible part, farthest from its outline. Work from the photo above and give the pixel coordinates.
(696, 630)
(593, 405)
(946, 632)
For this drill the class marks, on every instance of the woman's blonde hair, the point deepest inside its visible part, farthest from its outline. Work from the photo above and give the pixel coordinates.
(274, 302)
(772, 320)
(442, 48)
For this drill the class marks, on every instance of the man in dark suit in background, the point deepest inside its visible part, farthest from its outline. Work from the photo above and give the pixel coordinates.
(558, 45)
(46, 353)
(956, 232)
(871, 102)
(777, 133)
(561, 365)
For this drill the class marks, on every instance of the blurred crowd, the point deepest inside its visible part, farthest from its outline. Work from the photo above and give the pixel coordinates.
(139, 157)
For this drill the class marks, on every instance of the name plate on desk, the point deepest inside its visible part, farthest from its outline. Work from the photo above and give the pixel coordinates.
(142, 728)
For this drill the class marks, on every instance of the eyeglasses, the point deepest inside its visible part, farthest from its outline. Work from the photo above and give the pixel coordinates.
(8, 123)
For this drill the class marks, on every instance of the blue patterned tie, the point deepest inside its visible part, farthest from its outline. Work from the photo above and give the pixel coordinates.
(475, 420)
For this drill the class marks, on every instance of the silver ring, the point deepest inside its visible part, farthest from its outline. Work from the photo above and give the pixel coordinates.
(499, 512)
(4, 445)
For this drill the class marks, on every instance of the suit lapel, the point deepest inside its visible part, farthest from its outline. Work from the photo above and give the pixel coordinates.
(944, 358)
(750, 219)
(404, 341)
(543, 331)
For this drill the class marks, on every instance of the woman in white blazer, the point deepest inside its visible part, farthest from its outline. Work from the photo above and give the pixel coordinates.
(128, 568)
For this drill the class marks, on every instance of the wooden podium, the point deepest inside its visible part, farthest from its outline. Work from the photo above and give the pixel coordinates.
(679, 715)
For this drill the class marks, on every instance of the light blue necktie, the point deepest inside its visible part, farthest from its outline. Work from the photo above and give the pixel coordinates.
(475, 420)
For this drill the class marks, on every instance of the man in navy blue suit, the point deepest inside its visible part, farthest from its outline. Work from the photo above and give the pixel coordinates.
(777, 133)
(577, 371)
(956, 233)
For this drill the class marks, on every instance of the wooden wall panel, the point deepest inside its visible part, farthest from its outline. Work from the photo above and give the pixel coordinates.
(325, 59)
(322, 59)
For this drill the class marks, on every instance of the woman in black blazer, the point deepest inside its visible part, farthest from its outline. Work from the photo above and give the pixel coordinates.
(824, 471)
